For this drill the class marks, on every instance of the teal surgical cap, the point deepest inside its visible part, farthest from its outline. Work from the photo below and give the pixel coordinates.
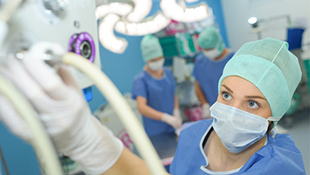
(271, 67)
(210, 38)
(150, 48)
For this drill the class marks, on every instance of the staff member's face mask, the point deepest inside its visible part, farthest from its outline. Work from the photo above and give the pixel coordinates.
(213, 53)
(236, 128)
(241, 114)
(156, 65)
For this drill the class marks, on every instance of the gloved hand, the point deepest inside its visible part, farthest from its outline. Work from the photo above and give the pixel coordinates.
(176, 113)
(206, 111)
(65, 114)
(171, 120)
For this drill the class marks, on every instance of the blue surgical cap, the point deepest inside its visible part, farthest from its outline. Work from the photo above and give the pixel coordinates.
(150, 48)
(209, 38)
(271, 67)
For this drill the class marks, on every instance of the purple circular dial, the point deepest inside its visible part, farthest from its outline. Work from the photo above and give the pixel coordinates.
(71, 42)
(83, 44)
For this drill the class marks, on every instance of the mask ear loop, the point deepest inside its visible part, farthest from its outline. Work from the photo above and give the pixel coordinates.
(275, 129)
(273, 119)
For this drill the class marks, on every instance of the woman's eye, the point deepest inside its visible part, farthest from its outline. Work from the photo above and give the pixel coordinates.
(226, 96)
(253, 104)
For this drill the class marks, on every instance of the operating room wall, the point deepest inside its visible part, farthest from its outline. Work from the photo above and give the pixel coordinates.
(237, 13)
(121, 68)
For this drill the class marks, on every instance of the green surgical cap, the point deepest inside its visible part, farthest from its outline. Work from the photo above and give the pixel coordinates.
(271, 67)
(209, 38)
(150, 48)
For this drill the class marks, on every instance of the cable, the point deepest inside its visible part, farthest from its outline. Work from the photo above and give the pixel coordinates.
(4, 163)
(41, 143)
(121, 108)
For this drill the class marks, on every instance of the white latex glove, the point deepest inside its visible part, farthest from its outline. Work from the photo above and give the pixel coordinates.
(171, 120)
(176, 113)
(206, 111)
(67, 118)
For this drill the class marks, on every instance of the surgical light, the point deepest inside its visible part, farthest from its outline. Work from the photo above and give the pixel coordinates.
(107, 37)
(178, 13)
(148, 26)
(115, 8)
(140, 11)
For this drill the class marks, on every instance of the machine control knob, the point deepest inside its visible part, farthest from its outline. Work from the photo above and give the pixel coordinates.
(56, 6)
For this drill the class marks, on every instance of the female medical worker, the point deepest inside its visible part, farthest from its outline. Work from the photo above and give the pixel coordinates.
(257, 83)
(154, 90)
(209, 66)
(255, 91)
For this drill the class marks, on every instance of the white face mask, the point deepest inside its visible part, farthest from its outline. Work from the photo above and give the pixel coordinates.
(236, 128)
(213, 53)
(156, 65)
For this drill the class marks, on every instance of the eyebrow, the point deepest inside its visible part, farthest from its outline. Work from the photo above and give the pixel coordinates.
(228, 88)
(254, 96)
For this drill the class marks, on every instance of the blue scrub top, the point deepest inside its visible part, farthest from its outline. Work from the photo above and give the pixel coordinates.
(279, 155)
(208, 73)
(160, 96)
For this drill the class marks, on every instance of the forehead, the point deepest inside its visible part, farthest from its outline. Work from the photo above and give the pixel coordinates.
(156, 59)
(241, 86)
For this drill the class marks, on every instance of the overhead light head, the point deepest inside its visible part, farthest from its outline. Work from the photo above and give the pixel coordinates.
(148, 26)
(191, 1)
(141, 9)
(121, 9)
(107, 37)
(176, 12)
